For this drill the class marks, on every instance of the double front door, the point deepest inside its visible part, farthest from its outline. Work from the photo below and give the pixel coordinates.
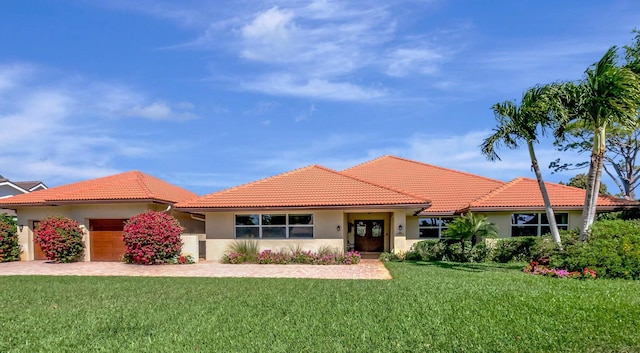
(369, 235)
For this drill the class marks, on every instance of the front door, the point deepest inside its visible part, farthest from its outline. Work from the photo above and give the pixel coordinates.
(369, 236)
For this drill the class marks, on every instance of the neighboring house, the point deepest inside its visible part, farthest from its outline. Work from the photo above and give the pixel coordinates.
(102, 206)
(10, 188)
(386, 204)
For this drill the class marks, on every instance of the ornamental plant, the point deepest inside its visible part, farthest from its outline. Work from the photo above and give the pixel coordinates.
(60, 239)
(152, 238)
(9, 246)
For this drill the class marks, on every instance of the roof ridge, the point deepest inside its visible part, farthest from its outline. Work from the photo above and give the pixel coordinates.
(497, 190)
(140, 179)
(374, 184)
(424, 164)
(254, 182)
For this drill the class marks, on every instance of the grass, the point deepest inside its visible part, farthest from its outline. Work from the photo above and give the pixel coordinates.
(435, 307)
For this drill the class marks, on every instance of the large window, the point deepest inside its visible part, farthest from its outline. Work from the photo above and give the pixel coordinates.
(535, 224)
(274, 226)
(433, 227)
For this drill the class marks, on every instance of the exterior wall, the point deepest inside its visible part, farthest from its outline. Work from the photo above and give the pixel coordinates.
(501, 219)
(220, 230)
(83, 214)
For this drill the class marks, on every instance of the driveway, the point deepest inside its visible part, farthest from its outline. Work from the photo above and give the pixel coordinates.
(366, 269)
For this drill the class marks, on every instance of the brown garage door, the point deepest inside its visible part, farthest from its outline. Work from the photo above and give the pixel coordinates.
(106, 239)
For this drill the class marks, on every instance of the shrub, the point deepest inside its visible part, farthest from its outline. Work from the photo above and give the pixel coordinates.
(450, 250)
(247, 249)
(350, 258)
(271, 257)
(60, 239)
(429, 250)
(152, 238)
(514, 249)
(9, 246)
(389, 256)
(480, 253)
(241, 254)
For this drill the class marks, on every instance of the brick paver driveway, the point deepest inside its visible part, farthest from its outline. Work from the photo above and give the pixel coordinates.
(366, 269)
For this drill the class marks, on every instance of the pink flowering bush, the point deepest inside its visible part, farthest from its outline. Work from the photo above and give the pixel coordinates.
(60, 239)
(271, 257)
(537, 268)
(152, 238)
(9, 246)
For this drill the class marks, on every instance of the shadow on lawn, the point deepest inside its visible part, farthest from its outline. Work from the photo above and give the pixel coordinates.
(473, 267)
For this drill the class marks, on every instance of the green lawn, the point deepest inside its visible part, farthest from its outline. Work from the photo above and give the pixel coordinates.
(426, 308)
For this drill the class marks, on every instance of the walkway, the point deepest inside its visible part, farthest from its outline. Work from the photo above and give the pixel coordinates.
(366, 269)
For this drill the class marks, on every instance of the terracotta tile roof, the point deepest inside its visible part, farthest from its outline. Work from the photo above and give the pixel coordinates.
(312, 186)
(133, 185)
(525, 193)
(449, 190)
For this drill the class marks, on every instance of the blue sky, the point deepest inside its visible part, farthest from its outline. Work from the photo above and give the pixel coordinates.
(211, 94)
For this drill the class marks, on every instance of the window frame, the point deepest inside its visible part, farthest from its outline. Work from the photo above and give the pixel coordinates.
(441, 226)
(539, 224)
(288, 225)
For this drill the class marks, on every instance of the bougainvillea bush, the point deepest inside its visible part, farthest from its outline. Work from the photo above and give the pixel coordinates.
(152, 238)
(9, 247)
(60, 239)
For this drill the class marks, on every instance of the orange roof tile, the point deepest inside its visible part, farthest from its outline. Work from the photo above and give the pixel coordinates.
(312, 186)
(525, 193)
(449, 190)
(133, 185)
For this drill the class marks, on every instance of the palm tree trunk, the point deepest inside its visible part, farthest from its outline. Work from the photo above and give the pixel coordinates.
(593, 181)
(553, 225)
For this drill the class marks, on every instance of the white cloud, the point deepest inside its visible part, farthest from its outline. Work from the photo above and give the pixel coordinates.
(284, 84)
(404, 61)
(57, 130)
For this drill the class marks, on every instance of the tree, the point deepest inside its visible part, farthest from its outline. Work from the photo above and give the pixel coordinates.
(580, 181)
(620, 158)
(523, 123)
(471, 227)
(607, 97)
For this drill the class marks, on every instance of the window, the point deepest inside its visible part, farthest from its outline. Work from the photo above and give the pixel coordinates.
(433, 227)
(535, 224)
(274, 226)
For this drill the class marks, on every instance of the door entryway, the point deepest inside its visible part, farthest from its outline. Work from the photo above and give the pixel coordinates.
(369, 235)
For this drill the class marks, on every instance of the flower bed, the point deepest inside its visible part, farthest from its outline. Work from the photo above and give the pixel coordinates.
(536, 268)
(294, 257)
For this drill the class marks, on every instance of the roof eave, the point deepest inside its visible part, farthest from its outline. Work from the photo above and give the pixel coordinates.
(83, 202)
(308, 207)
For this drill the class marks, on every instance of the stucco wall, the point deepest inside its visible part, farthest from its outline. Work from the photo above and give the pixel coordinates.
(83, 214)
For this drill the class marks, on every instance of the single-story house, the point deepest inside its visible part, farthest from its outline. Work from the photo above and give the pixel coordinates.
(101, 206)
(386, 204)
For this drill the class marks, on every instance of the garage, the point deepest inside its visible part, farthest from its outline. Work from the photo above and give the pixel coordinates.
(106, 239)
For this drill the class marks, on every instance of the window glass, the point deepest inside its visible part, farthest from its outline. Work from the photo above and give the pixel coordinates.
(524, 231)
(524, 218)
(274, 219)
(247, 220)
(561, 218)
(300, 232)
(274, 232)
(428, 222)
(301, 219)
(429, 233)
(247, 232)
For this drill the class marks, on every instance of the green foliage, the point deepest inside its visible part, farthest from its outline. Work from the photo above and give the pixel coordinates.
(612, 250)
(9, 245)
(247, 248)
(580, 181)
(451, 250)
(389, 256)
(426, 307)
(514, 249)
(471, 227)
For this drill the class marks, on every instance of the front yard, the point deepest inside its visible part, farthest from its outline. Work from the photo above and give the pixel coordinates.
(436, 307)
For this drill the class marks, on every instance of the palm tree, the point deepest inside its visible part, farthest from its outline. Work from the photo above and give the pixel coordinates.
(522, 123)
(609, 95)
(471, 227)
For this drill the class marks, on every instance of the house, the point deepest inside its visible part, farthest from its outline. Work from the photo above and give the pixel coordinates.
(386, 204)
(101, 206)
(10, 188)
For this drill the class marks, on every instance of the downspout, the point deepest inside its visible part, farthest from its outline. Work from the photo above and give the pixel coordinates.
(168, 209)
